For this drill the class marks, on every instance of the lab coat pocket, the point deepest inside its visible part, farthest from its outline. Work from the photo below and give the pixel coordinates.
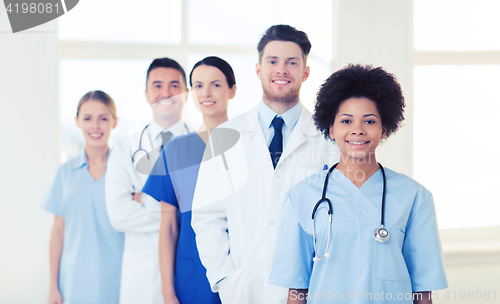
(229, 288)
(185, 283)
(389, 263)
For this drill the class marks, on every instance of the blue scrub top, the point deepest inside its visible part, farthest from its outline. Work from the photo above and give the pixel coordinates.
(359, 269)
(182, 156)
(91, 260)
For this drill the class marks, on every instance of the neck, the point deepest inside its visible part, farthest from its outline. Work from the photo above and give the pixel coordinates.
(96, 154)
(166, 123)
(210, 123)
(278, 106)
(356, 170)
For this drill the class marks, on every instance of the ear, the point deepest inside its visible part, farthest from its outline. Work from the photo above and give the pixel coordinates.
(258, 71)
(146, 94)
(115, 123)
(186, 94)
(332, 136)
(77, 122)
(384, 133)
(306, 73)
(233, 92)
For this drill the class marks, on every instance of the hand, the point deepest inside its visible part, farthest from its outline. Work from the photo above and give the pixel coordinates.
(55, 297)
(170, 298)
(137, 197)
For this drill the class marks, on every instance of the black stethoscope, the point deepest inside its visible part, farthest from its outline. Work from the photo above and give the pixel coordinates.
(381, 234)
(150, 141)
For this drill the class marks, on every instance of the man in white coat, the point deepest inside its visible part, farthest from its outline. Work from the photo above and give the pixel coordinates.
(129, 209)
(239, 195)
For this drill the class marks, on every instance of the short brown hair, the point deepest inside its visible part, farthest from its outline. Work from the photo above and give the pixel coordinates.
(283, 32)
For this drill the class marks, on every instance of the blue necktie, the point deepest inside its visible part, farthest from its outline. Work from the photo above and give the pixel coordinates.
(276, 146)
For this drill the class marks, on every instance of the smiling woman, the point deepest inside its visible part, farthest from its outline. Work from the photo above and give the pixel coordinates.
(82, 238)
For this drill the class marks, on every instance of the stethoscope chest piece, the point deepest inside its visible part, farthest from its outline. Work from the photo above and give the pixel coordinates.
(381, 235)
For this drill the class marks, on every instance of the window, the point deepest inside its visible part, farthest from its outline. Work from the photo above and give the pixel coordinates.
(119, 40)
(455, 107)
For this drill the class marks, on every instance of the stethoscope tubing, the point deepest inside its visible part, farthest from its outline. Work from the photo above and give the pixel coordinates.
(140, 141)
(381, 235)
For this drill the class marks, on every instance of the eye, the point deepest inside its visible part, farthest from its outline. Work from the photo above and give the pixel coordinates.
(197, 86)
(293, 63)
(272, 62)
(87, 118)
(104, 119)
(216, 85)
(370, 122)
(175, 86)
(345, 121)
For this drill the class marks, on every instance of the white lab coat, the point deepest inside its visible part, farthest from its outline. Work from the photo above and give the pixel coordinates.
(247, 201)
(141, 281)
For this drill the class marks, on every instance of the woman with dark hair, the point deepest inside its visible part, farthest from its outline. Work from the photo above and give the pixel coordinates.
(213, 84)
(373, 236)
(85, 250)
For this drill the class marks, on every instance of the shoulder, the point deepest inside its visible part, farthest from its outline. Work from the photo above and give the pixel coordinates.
(69, 166)
(235, 123)
(311, 183)
(407, 185)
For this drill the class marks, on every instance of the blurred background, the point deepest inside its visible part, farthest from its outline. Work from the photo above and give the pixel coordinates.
(445, 53)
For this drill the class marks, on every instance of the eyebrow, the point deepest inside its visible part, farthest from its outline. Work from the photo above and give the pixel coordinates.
(366, 115)
(276, 57)
(161, 81)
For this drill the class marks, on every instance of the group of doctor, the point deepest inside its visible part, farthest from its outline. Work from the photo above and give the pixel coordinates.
(162, 218)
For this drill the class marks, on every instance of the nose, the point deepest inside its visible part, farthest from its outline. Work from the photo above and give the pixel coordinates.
(167, 92)
(282, 69)
(206, 91)
(358, 129)
(95, 124)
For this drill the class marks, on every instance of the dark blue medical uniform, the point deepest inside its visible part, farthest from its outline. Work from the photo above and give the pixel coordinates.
(182, 157)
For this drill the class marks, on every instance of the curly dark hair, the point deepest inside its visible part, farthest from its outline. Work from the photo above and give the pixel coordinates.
(356, 81)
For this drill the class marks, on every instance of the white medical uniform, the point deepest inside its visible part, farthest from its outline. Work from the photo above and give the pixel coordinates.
(141, 282)
(236, 211)
(359, 269)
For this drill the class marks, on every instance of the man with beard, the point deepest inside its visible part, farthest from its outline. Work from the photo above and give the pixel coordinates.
(239, 195)
(129, 165)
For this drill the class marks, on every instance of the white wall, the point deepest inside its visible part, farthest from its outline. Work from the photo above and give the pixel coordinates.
(379, 32)
(29, 155)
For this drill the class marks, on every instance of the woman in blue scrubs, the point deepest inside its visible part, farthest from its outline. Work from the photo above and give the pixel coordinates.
(213, 84)
(85, 250)
(357, 107)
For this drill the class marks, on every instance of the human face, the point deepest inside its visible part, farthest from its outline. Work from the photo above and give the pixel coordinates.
(282, 71)
(211, 90)
(357, 130)
(165, 92)
(96, 122)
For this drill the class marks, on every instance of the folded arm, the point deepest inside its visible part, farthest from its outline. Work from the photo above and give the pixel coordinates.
(125, 213)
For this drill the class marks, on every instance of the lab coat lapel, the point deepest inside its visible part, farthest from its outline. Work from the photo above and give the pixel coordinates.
(304, 127)
(252, 129)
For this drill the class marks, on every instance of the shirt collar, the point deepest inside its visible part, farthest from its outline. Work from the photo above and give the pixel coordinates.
(290, 117)
(177, 129)
(81, 161)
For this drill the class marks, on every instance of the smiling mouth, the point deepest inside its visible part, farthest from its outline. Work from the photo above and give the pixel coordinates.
(96, 135)
(166, 102)
(281, 81)
(208, 103)
(357, 142)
